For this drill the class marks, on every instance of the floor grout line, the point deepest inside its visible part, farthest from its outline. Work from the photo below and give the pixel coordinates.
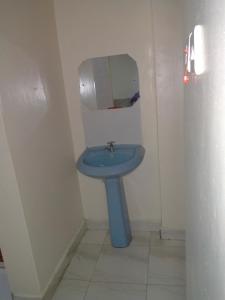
(119, 282)
(125, 283)
(90, 281)
(148, 265)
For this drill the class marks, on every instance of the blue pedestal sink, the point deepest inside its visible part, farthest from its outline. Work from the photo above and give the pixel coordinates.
(110, 164)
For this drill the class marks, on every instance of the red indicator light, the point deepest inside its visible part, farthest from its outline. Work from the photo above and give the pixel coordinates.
(186, 79)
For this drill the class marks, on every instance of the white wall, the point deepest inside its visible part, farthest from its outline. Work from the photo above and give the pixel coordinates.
(132, 34)
(205, 158)
(14, 237)
(100, 28)
(122, 126)
(169, 44)
(41, 209)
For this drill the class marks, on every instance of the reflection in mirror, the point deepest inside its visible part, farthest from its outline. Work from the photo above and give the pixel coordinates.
(109, 82)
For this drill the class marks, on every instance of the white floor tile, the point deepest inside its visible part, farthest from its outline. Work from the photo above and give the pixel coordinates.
(127, 265)
(156, 241)
(167, 266)
(83, 262)
(71, 290)
(94, 237)
(166, 293)
(139, 238)
(114, 291)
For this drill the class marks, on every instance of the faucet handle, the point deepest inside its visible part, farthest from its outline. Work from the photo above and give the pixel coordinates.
(111, 143)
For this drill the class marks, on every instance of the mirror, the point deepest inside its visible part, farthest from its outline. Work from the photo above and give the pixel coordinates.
(109, 82)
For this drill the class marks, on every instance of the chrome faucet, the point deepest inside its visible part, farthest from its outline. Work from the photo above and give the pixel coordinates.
(110, 146)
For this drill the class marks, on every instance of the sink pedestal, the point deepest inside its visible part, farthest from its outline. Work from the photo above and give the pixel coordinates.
(109, 166)
(119, 224)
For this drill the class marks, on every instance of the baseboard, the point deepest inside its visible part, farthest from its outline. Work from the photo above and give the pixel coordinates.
(145, 226)
(169, 234)
(60, 268)
(63, 263)
(135, 225)
(97, 225)
(166, 234)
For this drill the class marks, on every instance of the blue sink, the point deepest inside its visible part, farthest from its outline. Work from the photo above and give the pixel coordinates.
(100, 162)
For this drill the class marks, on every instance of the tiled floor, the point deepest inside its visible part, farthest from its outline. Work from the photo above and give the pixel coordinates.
(149, 269)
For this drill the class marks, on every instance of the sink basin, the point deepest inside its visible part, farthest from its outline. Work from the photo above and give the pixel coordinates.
(100, 163)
